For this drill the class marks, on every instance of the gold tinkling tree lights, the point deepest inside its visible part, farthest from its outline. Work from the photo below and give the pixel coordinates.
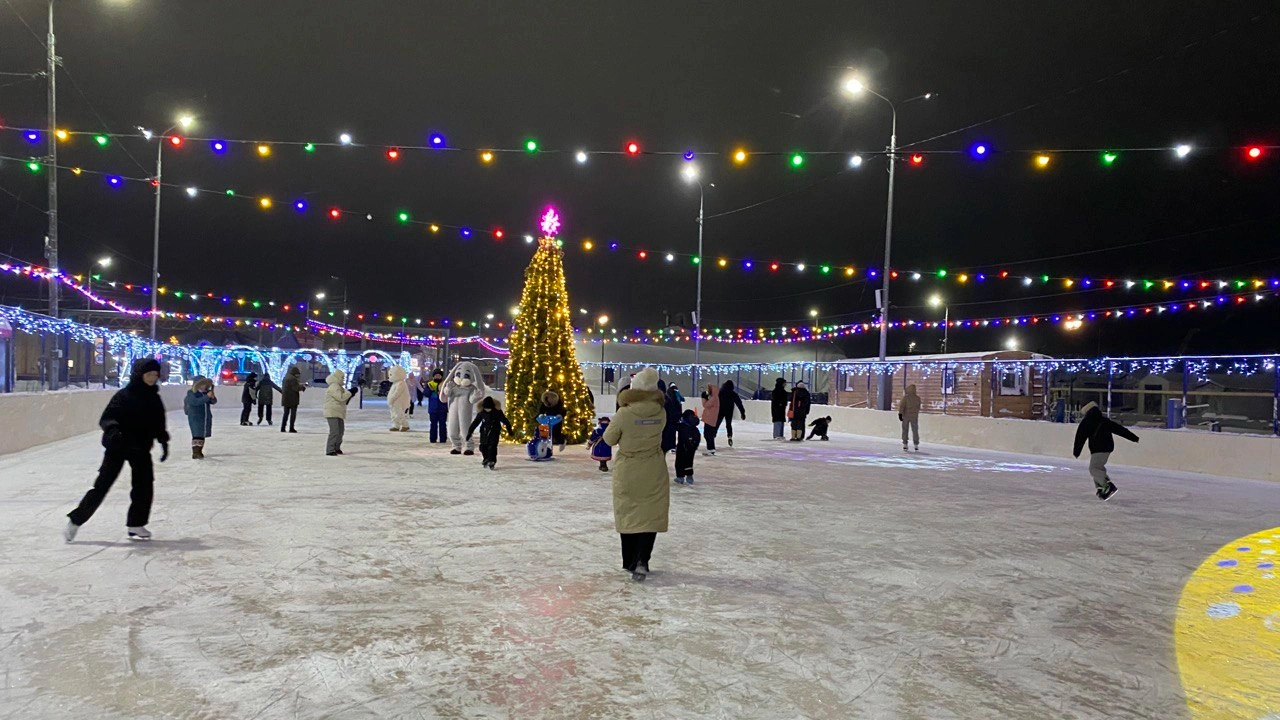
(542, 348)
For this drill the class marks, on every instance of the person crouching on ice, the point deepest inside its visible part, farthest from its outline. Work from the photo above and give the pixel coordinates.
(553, 404)
(688, 437)
(198, 406)
(1097, 430)
(820, 428)
(132, 422)
(490, 420)
(600, 450)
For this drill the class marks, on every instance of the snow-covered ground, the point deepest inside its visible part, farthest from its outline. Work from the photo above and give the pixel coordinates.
(819, 580)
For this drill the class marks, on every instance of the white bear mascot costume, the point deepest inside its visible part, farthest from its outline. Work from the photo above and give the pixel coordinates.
(398, 399)
(463, 388)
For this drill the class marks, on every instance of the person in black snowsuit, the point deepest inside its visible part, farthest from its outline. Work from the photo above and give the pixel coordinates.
(131, 423)
(1097, 430)
(728, 399)
(248, 396)
(673, 406)
(265, 397)
(778, 401)
(688, 437)
(490, 420)
(820, 428)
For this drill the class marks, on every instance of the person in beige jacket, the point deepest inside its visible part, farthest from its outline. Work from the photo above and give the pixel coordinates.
(909, 414)
(641, 484)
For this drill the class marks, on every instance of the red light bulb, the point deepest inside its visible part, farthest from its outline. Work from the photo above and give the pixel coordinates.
(499, 234)
(393, 154)
(917, 159)
(633, 148)
(335, 213)
(1253, 153)
(175, 141)
(642, 254)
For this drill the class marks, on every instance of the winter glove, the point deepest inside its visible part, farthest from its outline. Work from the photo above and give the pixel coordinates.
(164, 454)
(899, 417)
(744, 417)
(355, 389)
(112, 438)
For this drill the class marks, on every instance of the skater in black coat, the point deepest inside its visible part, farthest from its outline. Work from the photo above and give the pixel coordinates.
(778, 407)
(131, 423)
(820, 428)
(1097, 430)
(671, 405)
(248, 396)
(490, 420)
(800, 403)
(728, 400)
(688, 437)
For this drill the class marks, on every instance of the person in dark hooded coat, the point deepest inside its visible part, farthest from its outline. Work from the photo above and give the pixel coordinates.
(672, 406)
(1097, 431)
(778, 402)
(729, 399)
(291, 397)
(265, 397)
(248, 396)
(131, 423)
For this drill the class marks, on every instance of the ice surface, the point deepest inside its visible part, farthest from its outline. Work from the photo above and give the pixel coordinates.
(820, 580)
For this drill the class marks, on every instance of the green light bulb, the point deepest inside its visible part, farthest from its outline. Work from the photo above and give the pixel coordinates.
(1108, 158)
(826, 269)
(1044, 278)
(33, 167)
(309, 147)
(231, 193)
(797, 160)
(101, 140)
(531, 145)
(404, 217)
(696, 260)
(942, 273)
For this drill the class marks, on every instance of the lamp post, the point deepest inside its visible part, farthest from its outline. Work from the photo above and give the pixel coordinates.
(184, 122)
(602, 321)
(855, 86)
(935, 301)
(52, 360)
(691, 175)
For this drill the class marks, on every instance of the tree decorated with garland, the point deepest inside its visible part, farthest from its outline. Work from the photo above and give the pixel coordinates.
(543, 356)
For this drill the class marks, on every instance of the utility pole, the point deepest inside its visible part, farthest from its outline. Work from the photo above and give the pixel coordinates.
(53, 361)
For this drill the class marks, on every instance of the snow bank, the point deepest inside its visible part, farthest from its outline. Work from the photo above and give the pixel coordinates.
(30, 419)
(1242, 456)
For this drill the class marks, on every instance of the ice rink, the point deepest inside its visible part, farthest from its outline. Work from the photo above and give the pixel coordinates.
(843, 579)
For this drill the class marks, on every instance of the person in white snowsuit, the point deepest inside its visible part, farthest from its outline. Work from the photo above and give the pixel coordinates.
(462, 389)
(398, 399)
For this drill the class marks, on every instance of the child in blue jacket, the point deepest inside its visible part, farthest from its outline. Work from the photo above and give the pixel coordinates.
(600, 450)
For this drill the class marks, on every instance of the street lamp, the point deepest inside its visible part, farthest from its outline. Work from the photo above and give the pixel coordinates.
(185, 121)
(813, 313)
(602, 321)
(854, 85)
(691, 174)
(936, 301)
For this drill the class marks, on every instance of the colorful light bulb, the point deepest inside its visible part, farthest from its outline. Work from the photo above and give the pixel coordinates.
(264, 150)
(393, 153)
(102, 140)
(531, 145)
(175, 140)
(633, 148)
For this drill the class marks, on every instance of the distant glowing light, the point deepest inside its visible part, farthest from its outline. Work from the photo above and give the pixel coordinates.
(300, 205)
(498, 233)
(978, 151)
(740, 156)
(309, 147)
(670, 257)
(581, 157)
(393, 153)
(1109, 158)
(1182, 150)
(436, 140)
(797, 160)
(33, 166)
(855, 161)
(192, 192)
(175, 140)
(642, 255)
(345, 138)
(102, 140)
(335, 213)
(436, 228)
(218, 146)
(486, 157)
(62, 134)
(854, 86)
(917, 159)
(265, 202)
(1253, 153)
(1042, 160)
(633, 148)
(264, 150)
(690, 172)
(115, 181)
(402, 216)
(32, 137)
(464, 232)
(722, 262)
(688, 155)
(587, 244)
(531, 145)
(550, 223)
(800, 267)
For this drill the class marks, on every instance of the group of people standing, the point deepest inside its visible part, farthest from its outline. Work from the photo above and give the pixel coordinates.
(261, 391)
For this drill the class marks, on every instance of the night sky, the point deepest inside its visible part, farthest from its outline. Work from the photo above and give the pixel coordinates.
(710, 76)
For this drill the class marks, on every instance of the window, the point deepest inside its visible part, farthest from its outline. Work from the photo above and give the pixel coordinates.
(948, 381)
(1014, 381)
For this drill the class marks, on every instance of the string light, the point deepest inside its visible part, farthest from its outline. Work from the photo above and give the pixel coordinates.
(1108, 158)
(633, 148)
(740, 156)
(917, 159)
(1042, 161)
(264, 150)
(855, 161)
(264, 202)
(486, 157)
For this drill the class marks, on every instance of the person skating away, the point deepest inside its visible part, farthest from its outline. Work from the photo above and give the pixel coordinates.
(248, 396)
(779, 399)
(909, 416)
(600, 450)
(290, 397)
(265, 396)
(641, 483)
(553, 404)
(728, 400)
(710, 414)
(1097, 430)
(490, 420)
(398, 400)
(671, 405)
(798, 411)
(688, 437)
(336, 398)
(131, 423)
(437, 410)
(198, 406)
(820, 428)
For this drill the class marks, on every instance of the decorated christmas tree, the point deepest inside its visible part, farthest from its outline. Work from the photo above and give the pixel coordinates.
(542, 349)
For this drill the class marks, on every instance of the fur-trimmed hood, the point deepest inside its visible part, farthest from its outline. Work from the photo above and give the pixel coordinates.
(631, 396)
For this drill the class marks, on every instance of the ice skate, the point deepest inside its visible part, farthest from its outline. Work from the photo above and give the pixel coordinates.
(731, 442)
(637, 576)
(332, 454)
(604, 466)
(1106, 493)
(69, 532)
(643, 567)
(689, 480)
(917, 448)
(679, 480)
(708, 453)
(139, 534)
(455, 451)
(493, 465)
(469, 452)
(291, 430)
(195, 453)
(904, 448)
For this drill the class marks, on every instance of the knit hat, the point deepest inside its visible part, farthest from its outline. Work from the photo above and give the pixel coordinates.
(1088, 406)
(646, 379)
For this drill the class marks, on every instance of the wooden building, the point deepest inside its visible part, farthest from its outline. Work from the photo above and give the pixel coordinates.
(966, 384)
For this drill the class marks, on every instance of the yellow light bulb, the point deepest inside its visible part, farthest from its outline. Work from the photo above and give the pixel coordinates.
(486, 157)
(265, 202)
(740, 156)
(62, 134)
(1042, 161)
(264, 149)
(722, 262)
(587, 244)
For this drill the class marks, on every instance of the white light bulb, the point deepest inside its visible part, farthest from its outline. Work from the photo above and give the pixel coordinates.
(581, 157)
(345, 138)
(855, 161)
(670, 257)
(1182, 150)
(800, 267)
(191, 192)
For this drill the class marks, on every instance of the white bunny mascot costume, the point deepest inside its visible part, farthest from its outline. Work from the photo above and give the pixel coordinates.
(463, 388)
(398, 399)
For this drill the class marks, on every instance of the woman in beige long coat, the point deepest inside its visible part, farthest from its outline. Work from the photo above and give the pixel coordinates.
(641, 485)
